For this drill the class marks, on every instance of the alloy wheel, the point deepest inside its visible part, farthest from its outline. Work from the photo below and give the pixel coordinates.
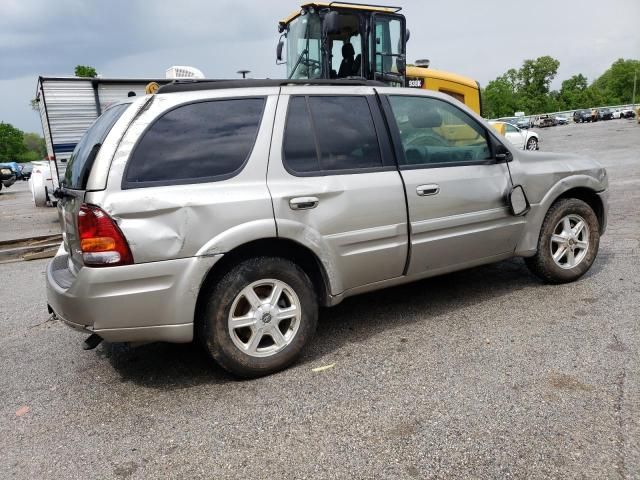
(264, 318)
(570, 241)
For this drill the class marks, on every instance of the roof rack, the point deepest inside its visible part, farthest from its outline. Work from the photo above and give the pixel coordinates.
(195, 85)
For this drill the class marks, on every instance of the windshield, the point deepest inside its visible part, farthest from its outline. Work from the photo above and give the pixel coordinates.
(85, 152)
(303, 47)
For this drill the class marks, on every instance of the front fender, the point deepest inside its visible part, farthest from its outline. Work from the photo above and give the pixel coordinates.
(528, 243)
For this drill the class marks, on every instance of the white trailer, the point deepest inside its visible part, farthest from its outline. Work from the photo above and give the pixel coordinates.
(68, 106)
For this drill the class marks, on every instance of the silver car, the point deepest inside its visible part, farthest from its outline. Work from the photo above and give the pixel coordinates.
(228, 212)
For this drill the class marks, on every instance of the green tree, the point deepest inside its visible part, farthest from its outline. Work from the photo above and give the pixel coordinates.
(526, 89)
(535, 77)
(85, 71)
(499, 98)
(35, 144)
(11, 143)
(616, 84)
(574, 93)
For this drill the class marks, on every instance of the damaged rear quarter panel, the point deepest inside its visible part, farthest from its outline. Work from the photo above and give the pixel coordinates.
(178, 221)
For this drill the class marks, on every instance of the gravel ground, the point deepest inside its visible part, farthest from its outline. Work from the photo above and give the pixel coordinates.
(20, 218)
(485, 373)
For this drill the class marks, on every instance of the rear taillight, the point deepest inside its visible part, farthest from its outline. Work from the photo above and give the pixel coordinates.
(101, 241)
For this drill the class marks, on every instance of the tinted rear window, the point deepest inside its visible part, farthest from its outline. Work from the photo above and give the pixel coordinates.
(327, 134)
(197, 142)
(84, 154)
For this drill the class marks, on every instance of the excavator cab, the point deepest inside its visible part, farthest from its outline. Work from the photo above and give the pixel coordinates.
(330, 40)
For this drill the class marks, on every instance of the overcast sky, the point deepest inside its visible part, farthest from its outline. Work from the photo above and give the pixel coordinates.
(136, 38)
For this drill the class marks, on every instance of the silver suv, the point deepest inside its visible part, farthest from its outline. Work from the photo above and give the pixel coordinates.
(228, 212)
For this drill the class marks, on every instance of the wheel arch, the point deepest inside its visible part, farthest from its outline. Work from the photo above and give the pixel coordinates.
(268, 247)
(527, 245)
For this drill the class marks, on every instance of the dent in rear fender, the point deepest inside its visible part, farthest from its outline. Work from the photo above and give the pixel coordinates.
(311, 239)
(529, 241)
(239, 235)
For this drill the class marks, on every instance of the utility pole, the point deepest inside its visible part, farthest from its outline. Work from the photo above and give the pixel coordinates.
(635, 79)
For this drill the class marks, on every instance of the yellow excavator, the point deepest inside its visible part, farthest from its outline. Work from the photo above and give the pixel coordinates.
(330, 40)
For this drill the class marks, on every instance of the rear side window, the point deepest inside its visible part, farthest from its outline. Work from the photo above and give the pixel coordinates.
(326, 134)
(195, 143)
(84, 154)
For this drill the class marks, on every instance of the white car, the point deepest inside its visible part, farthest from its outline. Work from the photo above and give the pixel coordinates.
(623, 113)
(525, 139)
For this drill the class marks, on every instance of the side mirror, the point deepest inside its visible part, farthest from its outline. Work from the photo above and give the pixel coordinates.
(518, 201)
(279, 48)
(503, 154)
(330, 23)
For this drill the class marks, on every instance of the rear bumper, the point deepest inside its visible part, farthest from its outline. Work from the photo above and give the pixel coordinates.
(135, 303)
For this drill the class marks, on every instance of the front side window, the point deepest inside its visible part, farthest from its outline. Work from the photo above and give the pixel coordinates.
(197, 142)
(435, 133)
(327, 134)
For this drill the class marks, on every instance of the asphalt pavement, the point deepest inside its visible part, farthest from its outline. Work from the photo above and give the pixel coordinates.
(484, 373)
(20, 218)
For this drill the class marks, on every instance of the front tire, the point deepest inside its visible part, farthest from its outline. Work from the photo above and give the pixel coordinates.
(532, 144)
(568, 242)
(259, 316)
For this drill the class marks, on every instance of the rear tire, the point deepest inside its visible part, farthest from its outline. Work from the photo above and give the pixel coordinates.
(249, 332)
(568, 242)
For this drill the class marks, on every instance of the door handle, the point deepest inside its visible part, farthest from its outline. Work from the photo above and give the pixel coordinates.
(303, 203)
(426, 190)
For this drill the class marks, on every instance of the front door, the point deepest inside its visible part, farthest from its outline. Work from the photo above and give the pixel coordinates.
(334, 185)
(456, 191)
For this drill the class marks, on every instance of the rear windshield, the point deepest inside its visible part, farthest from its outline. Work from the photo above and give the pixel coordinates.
(84, 154)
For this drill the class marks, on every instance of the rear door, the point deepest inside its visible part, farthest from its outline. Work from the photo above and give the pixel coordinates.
(456, 191)
(334, 185)
(76, 176)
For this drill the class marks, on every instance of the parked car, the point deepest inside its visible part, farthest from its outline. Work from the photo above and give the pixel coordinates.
(561, 119)
(627, 113)
(605, 114)
(546, 121)
(7, 177)
(15, 168)
(582, 116)
(520, 122)
(26, 170)
(221, 211)
(521, 138)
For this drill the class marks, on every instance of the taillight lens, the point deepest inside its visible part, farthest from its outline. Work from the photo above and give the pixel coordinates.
(101, 241)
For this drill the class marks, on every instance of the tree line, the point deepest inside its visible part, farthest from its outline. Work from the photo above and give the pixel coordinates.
(528, 89)
(17, 146)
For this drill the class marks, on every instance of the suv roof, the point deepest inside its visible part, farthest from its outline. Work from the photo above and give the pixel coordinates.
(194, 85)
